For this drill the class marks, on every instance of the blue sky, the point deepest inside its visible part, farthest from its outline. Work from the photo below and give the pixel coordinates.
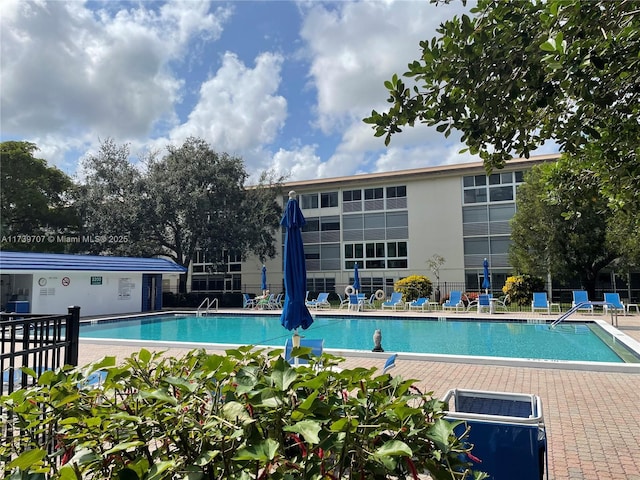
(282, 84)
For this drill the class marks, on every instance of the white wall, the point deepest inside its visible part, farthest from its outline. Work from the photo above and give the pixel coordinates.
(54, 292)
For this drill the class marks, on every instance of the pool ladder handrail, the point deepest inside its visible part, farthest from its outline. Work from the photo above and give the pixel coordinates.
(575, 308)
(206, 304)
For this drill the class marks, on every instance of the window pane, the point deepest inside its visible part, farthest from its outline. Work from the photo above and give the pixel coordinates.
(309, 201)
(352, 222)
(330, 251)
(501, 213)
(374, 220)
(476, 195)
(398, 263)
(468, 182)
(476, 246)
(474, 214)
(392, 251)
(396, 192)
(519, 177)
(312, 252)
(480, 180)
(329, 199)
(375, 263)
(348, 251)
(506, 177)
(402, 249)
(501, 194)
(500, 245)
(373, 193)
(330, 223)
(371, 250)
(358, 250)
(494, 179)
(380, 250)
(312, 225)
(397, 219)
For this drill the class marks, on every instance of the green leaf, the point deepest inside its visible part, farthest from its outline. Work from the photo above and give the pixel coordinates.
(68, 473)
(160, 395)
(263, 452)
(394, 448)
(124, 446)
(344, 425)
(309, 429)
(157, 470)
(27, 459)
(549, 45)
(283, 377)
(144, 355)
(440, 432)
(206, 457)
(235, 411)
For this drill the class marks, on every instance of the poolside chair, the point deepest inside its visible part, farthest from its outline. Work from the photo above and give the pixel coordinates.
(581, 296)
(394, 302)
(355, 302)
(613, 303)
(344, 301)
(455, 301)
(484, 302)
(247, 301)
(419, 304)
(540, 302)
(321, 302)
(369, 302)
(315, 344)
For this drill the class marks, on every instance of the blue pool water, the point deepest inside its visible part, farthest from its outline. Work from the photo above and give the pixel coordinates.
(572, 342)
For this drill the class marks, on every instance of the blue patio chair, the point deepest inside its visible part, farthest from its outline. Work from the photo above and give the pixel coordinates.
(455, 301)
(355, 302)
(247, 301)
(344, 301)
(540, 302)
(419, 304)
(315, 344)
(369, 302)
(581, 296)
(321, 302)
(394, 302)
(613, 303)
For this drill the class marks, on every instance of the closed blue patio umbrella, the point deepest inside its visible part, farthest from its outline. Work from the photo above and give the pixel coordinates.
(264, 279)
(356, 278)
(486, 283)
(295, 313)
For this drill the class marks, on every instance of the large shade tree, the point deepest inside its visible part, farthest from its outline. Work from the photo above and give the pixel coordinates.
(35, 201)
(562, 225)
(515, 74)
(191, 198)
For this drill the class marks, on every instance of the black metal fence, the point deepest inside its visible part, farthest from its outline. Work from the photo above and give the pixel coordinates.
(37, 342)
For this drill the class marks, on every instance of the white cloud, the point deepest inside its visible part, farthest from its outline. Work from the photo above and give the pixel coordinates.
(238, 108)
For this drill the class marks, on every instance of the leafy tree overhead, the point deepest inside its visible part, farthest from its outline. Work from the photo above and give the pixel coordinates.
(518, 73)
(561, 225)
(35, 203)
(191, 198)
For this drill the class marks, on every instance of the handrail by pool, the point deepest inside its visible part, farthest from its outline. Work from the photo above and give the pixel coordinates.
(575, 308)
(206, 304)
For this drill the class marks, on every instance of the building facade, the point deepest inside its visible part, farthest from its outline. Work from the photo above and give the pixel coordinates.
(391, 224)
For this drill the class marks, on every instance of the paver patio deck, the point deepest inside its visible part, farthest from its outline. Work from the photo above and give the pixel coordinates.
(592, 418)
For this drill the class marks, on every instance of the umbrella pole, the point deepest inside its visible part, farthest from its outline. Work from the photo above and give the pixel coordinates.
(295, 341)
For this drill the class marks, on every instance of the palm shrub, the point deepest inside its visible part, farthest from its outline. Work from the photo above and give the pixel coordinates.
(414, 286)
(247, 414)
(520, 288)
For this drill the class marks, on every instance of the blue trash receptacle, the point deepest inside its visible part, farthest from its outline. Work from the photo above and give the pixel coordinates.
(506, 430)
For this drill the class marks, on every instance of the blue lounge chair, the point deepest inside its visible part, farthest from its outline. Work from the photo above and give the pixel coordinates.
(455, 301)
(315, 344)
(613, 303)
(419, 304)
(321, 302)
(581, 296)
(540, 302)
(394, 302)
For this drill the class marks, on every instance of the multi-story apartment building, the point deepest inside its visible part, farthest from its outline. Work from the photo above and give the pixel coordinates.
(391, 224)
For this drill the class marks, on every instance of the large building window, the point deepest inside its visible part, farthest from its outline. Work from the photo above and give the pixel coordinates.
(376, 255)
(329, 199)
(309, 200)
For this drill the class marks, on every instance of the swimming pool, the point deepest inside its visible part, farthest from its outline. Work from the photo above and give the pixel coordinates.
(585, 342)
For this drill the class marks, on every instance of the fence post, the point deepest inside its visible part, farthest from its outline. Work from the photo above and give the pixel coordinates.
(73, 336)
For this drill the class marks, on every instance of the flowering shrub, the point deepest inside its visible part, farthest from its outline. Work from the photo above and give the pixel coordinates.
(247, 414)
(414, 286)
(520, 288)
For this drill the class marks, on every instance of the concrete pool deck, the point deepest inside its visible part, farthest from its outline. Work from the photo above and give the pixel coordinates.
(592, 418)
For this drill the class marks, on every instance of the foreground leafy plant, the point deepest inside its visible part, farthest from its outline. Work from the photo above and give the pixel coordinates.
(247, 414)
